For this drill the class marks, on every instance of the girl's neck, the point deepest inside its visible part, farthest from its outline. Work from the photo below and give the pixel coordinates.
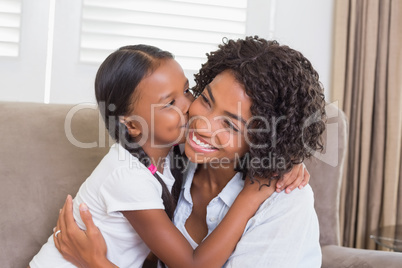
(214, 177)
(156, 155)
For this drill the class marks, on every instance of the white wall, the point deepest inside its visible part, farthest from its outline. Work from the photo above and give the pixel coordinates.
(305, 25)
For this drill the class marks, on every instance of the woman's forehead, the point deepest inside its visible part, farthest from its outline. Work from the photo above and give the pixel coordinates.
(229, 94)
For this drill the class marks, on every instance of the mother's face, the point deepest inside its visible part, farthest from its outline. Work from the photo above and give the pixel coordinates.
(217, 125)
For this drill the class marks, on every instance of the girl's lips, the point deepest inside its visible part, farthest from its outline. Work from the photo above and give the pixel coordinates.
(197, 147)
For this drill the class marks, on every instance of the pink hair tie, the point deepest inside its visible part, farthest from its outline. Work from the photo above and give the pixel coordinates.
(152, 168)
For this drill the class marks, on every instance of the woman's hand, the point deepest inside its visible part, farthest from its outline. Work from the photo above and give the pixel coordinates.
(82, 248)
(297, 177)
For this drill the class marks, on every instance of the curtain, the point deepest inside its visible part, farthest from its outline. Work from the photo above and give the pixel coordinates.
(367, 83)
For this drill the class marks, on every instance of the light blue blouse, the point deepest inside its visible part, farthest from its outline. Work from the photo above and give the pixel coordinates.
(284, 231)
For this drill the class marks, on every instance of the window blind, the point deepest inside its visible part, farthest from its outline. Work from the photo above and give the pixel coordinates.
(187, 28)
(10, 22)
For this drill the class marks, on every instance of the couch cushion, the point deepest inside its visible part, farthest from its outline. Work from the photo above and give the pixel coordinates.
(39, 166)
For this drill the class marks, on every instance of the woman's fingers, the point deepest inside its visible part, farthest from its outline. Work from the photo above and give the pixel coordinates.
(60, 226)
(87, 219)
(67, 214)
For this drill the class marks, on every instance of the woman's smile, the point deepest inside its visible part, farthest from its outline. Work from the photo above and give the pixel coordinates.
(199, 144)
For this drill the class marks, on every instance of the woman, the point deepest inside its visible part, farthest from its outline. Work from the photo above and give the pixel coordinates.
(259, 111)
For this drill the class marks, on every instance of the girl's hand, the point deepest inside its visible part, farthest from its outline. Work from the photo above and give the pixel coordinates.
(257, 191)
(82, 248)
(297, 177)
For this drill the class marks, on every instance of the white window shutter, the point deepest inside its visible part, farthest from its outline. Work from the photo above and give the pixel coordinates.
(10, 23)
(187, 28)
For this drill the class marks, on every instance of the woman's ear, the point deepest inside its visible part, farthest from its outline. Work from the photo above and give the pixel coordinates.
(132, 127)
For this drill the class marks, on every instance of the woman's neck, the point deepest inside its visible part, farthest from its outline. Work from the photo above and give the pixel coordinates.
(214, 177)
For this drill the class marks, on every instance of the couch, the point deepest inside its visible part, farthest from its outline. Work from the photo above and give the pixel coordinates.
(48, 150)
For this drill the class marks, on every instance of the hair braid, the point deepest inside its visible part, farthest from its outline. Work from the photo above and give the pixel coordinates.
(137, 151)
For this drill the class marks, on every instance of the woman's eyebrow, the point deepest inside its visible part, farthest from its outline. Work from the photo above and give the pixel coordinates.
(229, 114)
(210, 93)
(236, 117)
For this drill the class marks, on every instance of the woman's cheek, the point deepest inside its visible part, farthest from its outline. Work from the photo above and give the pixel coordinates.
(195, 108)
(238, 145)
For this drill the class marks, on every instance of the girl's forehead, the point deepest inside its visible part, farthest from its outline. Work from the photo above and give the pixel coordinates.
(167, 78)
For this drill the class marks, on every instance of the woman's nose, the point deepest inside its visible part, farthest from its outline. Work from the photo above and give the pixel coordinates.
(206, 124)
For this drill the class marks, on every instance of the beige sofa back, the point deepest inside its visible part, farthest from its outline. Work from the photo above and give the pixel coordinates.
(40, 163)
(39, 166)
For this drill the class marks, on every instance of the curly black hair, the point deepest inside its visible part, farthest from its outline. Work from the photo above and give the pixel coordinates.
(284, 89)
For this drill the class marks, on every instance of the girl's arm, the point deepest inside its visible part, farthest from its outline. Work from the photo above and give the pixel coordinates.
(162, 237)
(86, 248)
(171, 247)
(297, 177)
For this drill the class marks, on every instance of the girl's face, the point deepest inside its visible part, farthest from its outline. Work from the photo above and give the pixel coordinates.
(161, 104)
(217, 124)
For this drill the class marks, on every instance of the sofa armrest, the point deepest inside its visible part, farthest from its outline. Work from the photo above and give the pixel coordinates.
(340, 257)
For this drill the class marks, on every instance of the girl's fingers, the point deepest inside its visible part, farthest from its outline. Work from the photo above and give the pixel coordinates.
(306, 178)
(288, 178)
(297, 181)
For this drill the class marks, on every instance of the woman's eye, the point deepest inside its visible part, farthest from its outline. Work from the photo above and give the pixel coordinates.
(230, 125)
(204, 99)
(187, 91)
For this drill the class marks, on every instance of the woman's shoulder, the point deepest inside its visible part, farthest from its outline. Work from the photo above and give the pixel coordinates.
(299, 200)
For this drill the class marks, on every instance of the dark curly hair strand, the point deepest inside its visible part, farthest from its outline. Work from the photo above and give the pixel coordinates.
(284, 89)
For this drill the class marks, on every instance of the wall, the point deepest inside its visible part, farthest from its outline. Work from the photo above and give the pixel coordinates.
(305, 25)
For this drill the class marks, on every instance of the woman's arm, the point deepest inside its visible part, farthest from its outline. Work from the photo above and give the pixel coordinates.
(80, 247)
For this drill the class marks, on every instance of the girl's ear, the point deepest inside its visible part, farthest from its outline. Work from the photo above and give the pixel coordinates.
(132, 127)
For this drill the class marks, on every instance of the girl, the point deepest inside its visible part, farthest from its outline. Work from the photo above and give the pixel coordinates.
(266, 100)
(144, 99)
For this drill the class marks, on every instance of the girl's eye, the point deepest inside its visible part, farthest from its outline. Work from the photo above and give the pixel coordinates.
(170, 103)
(230, 125)
(187, 91)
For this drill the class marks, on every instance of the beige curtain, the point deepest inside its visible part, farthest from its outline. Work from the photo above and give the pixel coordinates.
(367, 82)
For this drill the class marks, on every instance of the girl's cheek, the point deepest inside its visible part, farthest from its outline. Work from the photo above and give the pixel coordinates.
(174, 122)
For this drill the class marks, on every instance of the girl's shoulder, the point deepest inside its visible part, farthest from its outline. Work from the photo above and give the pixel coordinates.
(118, 157)
(117, 164)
